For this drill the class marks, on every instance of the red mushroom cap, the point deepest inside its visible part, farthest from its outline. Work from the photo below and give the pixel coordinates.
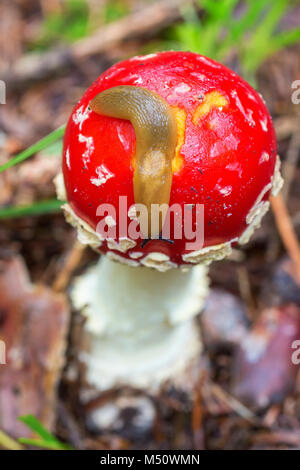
(225, 156)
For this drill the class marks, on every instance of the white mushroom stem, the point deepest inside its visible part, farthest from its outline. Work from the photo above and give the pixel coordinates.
(139, 322)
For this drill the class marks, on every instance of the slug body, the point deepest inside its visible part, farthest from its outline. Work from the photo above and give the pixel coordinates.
(156, 138)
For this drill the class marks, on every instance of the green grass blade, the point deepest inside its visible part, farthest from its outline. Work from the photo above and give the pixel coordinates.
(262, 42)
(253, 33)
(55, 445)
(286, 38)
(218, 9)
(251, 17)
(37, 147)
(47, 441)
(34, 424)
(263, 33)
(37, 208)
(218, 16)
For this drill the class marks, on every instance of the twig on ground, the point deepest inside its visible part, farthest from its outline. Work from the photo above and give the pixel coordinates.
(197, 417)
(71, 262)
(233, 404)
(290, 163)
(288, 172)
(140, 24)
(271, 416)
(286, 231)
(277, 437)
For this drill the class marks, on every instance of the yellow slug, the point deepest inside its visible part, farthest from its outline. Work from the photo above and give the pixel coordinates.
(156, 137)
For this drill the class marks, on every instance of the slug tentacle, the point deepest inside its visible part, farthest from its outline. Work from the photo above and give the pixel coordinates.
(156, 136)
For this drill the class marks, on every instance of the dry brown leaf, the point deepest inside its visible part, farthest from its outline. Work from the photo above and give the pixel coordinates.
(33, 324)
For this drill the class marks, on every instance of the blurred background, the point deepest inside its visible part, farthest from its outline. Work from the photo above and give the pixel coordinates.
(51, 51)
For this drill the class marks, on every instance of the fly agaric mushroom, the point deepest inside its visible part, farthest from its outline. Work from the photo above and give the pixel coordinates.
(174, 130)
